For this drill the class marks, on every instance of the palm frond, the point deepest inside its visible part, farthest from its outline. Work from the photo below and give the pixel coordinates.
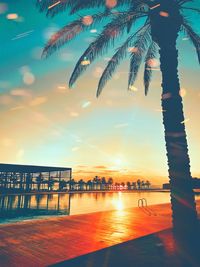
(151, 54)
(192, 9)
(182, 2)
(141, 45)
(193, 36)
(115, 60)
(102, 42)
(69, 32)
(135, 6)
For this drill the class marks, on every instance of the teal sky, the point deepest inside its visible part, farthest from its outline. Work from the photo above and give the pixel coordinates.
(43, 122)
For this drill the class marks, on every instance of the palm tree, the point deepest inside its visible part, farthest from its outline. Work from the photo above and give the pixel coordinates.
(139, 184)
(81, 184)
(161, 21)
(128, 185)
(110, 183)
(148, 184)
(39, 180)
(62, 184)
(72, 184)
(142, 184)
(103, 183)
(134, 185)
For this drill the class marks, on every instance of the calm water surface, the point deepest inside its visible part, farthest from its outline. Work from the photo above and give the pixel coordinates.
(28, 207)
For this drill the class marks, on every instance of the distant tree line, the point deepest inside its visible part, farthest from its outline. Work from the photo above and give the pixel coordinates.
(102, 183)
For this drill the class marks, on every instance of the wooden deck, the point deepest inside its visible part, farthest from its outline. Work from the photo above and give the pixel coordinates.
(45, 242)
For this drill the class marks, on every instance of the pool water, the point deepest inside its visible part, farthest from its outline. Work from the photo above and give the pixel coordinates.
(27, 207)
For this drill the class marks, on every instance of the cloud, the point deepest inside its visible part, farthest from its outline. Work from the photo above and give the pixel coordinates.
(17, 108)
(100, 167)
(20, 92)
(74, 114)
(81, 166)
(38, 101)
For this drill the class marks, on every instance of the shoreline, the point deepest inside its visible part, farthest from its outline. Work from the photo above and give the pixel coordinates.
(91, 191)
(84, 191)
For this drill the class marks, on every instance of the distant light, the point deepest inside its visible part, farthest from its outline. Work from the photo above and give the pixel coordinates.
(153, 7)
(85, 62)
(28, 78)
(160, 110)
(164, 14)
(186, 120)
(86, 104)
(12, 16)
(166, 96)
(87, 20)
(55, 4)
(111, 3)
(61, 89)
(153, 62)
(133, 49)
(93, 30)
(74, 114)
(182, 92)
(133, 88)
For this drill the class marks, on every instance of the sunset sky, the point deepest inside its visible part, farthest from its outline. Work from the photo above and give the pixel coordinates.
(120, 134)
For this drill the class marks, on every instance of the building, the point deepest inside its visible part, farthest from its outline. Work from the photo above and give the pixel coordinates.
(28, 178)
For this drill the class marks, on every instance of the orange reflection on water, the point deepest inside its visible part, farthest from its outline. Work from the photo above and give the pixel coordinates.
(118, 202)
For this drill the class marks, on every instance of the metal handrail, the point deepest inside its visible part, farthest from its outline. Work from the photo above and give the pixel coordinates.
(142, 201)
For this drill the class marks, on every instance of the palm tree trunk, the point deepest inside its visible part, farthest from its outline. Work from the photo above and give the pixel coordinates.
(182, 195)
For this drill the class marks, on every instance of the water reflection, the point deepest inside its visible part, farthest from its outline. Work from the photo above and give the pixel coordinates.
(92, 202)
(118, 202)
(20, 207)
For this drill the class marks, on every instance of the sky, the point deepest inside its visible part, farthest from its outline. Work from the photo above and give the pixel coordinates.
(43, 122)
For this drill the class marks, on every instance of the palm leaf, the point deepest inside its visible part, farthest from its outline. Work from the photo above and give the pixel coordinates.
(69, 32)
(151, 54)
(141, 44)
(192, 9)
(102, 42)
(182, 2)
(135, 6)
(115, 61)
(193, 36)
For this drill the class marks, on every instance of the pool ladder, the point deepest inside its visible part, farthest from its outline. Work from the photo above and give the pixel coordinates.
(142, 204)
